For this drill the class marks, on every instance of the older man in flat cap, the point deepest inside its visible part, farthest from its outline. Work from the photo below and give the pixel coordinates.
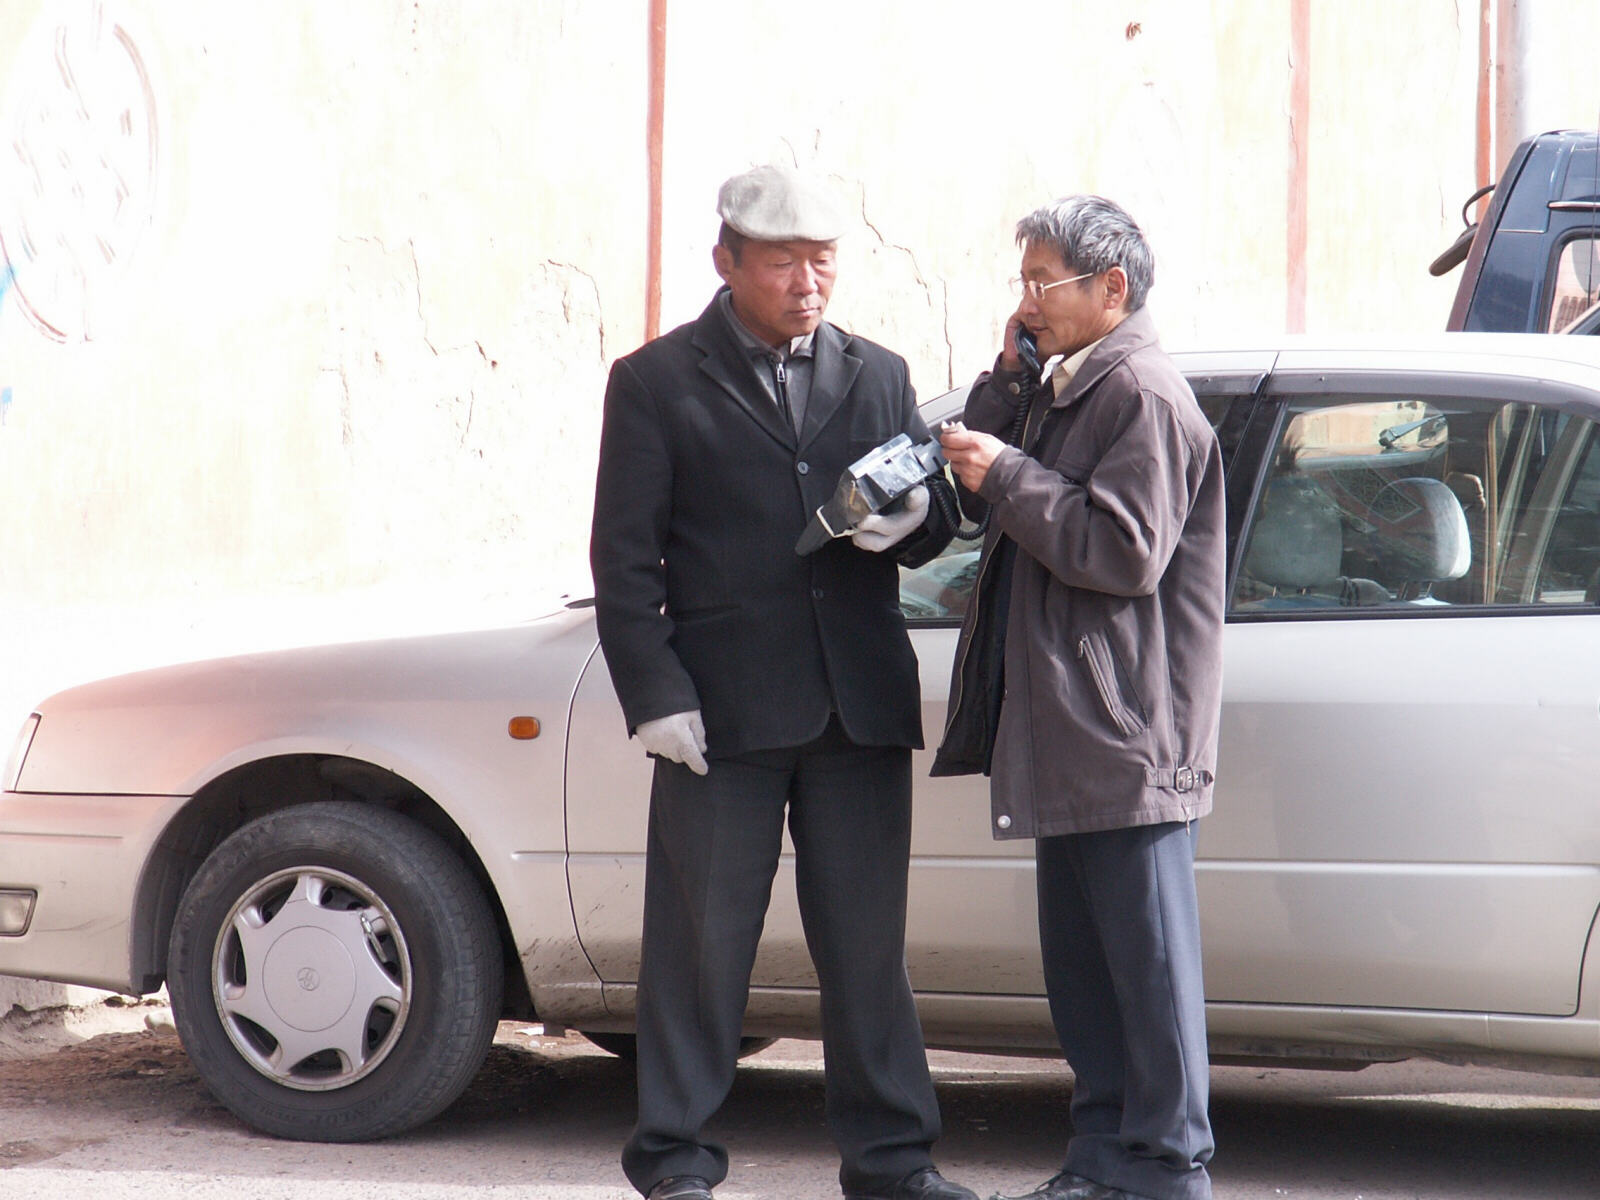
(767, 686)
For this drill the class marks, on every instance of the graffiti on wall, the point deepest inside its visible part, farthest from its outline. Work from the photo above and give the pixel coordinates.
(78, 158)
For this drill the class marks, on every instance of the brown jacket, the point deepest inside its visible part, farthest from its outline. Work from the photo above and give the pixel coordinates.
(1112, 620)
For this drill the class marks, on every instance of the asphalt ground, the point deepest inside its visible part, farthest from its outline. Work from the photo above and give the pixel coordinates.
(123, 1115)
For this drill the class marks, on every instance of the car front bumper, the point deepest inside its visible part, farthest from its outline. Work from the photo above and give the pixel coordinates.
(82, 857)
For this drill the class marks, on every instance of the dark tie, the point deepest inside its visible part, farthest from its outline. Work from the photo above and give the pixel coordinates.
(780, 385)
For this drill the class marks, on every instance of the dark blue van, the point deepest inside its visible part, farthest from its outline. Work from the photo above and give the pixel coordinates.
(1533, 263)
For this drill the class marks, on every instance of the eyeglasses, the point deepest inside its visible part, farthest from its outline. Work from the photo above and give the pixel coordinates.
(1035, 290)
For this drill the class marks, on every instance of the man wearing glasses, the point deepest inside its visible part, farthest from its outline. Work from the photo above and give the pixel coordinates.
(1088, 685)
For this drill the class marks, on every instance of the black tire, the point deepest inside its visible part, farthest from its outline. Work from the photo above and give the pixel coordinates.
(626, 1045)
(294, 911)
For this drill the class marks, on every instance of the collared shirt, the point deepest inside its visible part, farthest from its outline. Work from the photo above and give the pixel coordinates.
(798, 358)
(1060, 379)
(1064, 370)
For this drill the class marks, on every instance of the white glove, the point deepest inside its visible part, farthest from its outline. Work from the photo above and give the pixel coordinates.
(680, 737)
(879, 531)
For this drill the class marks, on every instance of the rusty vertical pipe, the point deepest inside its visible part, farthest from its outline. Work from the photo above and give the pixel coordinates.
(1299, 163)
(1510, 79)
(654, 137)
(1485, 147)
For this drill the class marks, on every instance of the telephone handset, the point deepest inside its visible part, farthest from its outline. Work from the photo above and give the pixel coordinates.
(1028, 352)
(1032, 368)
(1027, 388)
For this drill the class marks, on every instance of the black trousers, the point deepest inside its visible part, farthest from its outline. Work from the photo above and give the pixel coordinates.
(713, 851)
(1119, 928)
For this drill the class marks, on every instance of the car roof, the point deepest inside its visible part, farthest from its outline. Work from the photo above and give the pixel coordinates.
(1565, 359)
(1560, 359)
(1511, 346)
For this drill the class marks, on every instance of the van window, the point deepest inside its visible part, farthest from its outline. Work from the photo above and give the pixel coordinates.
(1577, 284)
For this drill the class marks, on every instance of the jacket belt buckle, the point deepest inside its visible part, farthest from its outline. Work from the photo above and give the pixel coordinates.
(1183, 779)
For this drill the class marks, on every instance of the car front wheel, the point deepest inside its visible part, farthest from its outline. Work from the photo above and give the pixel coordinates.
(335, 973)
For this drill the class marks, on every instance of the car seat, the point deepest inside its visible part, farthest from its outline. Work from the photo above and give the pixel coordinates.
(1295, 545)
(1415, 535)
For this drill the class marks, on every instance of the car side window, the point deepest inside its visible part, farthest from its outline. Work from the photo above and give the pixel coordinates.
(1215, 407)
(1424, 506)
(1552, 555)
(937, 592)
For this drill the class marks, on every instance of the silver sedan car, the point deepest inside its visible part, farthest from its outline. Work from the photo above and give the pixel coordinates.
(347, 862)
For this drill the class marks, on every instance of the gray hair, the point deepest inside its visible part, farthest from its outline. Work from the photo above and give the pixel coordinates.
(1092, 235)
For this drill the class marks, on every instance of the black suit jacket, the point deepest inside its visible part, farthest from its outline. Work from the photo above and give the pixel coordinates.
(702, 492)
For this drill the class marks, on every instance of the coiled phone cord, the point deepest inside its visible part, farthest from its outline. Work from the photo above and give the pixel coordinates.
(1027, 389)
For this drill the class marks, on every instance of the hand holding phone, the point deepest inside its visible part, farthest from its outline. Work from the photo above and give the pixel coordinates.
(1020, 349)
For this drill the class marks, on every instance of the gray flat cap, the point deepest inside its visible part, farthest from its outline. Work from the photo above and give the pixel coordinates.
(777, 204)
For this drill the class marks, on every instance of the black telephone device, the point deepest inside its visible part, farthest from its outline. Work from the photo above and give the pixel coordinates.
(1028, 352)
(875, 482)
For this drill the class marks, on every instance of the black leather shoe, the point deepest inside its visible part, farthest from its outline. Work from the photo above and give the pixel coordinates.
(923, 1184)
(681, 1187)
(1066, 1186)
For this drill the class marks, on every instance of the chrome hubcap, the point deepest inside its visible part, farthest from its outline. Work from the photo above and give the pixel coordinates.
(312, 978)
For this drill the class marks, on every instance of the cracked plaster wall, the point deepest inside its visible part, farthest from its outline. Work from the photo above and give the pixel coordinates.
(345, 375)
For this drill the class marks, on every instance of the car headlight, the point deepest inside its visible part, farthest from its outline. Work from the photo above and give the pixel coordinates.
(19, 752)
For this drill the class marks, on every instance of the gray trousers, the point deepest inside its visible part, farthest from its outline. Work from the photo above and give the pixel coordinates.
(1119, 929)
(712, 853)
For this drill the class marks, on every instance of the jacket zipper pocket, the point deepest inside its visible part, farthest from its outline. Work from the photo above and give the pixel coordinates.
(1096, 651)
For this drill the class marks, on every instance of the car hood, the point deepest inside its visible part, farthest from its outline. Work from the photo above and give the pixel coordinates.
(169, 730)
